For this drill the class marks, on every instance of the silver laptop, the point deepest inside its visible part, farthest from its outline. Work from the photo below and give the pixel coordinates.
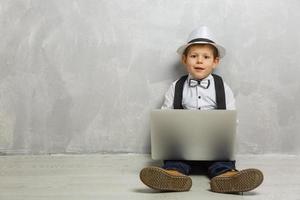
(193, 135)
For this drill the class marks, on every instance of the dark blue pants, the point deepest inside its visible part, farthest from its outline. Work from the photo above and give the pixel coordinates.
(211, 168)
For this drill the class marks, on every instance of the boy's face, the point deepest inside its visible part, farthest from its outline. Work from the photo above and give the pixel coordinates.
(200, 61)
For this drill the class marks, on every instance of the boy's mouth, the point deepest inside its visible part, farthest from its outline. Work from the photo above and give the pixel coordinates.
(198, 68)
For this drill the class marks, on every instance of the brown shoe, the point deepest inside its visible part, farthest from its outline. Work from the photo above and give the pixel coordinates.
(237, 181)
(165, 180)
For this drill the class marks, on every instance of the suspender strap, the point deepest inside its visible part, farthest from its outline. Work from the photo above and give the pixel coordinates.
(219, 87)
(177, 103)
(220, 92)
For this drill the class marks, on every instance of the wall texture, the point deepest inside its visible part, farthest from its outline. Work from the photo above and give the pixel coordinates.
(82, 75)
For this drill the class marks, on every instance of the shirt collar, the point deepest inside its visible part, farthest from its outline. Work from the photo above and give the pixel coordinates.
(209, 77)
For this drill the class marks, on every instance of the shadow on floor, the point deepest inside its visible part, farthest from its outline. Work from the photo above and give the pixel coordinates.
(148, 190)
(251, 193)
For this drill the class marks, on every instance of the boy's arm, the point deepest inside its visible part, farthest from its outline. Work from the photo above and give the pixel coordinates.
(230, 100)
(169, 98)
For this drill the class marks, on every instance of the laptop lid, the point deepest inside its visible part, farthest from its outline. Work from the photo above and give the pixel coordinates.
(193, 134)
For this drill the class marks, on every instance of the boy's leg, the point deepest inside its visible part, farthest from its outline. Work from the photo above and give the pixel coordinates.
(220, 167)
(171, 177)
(225, 178)
(178, 165)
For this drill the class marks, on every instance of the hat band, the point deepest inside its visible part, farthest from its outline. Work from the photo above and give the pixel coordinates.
(201, 40)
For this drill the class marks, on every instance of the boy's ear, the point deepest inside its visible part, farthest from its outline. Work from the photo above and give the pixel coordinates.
(216, 62)
(183, 59)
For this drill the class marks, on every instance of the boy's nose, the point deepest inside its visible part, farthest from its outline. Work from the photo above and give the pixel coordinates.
(199, 60)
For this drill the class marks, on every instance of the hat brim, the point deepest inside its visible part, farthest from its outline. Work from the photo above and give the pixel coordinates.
(221, 50)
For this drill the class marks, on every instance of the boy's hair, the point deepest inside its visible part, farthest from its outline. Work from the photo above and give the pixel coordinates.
(215, 50)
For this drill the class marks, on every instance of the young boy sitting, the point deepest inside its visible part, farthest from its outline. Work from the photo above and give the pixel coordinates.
(204, 91)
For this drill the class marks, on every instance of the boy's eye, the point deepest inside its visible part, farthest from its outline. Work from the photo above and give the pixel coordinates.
(206, 57)
(193, 56)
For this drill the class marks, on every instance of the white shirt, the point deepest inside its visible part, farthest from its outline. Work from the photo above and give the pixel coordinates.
(195, 98)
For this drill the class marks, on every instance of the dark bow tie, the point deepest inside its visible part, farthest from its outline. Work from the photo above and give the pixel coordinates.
(202, 83)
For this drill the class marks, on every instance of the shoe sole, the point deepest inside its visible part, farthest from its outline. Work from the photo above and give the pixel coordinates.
(243, 181)
(158, 179)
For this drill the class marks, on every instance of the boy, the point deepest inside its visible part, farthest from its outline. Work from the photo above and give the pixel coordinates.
(204, 91)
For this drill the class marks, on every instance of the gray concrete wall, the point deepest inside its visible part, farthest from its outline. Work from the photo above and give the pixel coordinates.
(82, 75)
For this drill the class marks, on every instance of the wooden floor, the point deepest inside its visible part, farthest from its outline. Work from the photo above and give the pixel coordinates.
(116, 176)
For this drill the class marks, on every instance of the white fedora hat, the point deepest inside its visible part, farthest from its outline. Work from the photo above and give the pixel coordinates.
(202, 35)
